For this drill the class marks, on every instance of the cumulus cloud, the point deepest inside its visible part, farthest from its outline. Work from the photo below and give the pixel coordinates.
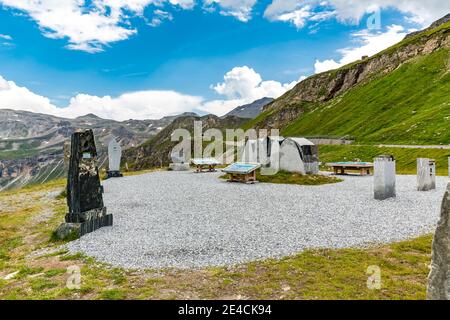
(370, 44)
(13, 96)
(90, 27)
(299, 12)
(240, 9)
(241, 85)
(135, 105)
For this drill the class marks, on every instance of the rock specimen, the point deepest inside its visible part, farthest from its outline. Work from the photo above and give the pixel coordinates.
(114, 157)
(426, 174)
(439, 278)
(384, 178)
(84, 196)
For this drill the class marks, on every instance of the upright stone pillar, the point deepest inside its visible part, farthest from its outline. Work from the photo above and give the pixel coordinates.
(439, 278)
(114, 157)
(384, 178)
(84, 196)
(449, 167)
(426, 174)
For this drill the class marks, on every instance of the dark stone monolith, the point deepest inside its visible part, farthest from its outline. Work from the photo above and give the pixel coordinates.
(84, 191)
(439, 278)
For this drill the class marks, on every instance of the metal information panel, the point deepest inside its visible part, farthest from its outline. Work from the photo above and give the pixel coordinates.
(242, 168)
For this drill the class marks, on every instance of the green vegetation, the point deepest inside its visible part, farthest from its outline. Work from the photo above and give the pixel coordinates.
(406, 158)
(17, 154)
(284, 177)
(295, 178)
(408, 106)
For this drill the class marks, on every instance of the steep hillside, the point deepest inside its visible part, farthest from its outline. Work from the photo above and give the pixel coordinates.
(401, 95)
(156, 151)
(251, 110)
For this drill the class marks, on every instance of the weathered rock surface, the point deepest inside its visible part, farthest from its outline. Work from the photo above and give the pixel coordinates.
(439, 278)
(84, 191)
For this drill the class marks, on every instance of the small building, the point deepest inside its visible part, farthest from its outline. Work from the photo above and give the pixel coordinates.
(261, 151)
(299, 155)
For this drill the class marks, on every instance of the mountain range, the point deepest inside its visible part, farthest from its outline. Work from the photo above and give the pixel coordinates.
(31, 144)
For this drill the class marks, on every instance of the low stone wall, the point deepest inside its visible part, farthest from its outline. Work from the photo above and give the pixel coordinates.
(330, 141)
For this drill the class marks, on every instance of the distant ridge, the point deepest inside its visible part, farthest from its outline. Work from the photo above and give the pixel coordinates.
(251, 110)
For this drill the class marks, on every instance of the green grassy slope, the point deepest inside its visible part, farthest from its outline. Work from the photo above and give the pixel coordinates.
(406, 158)
(411, 105)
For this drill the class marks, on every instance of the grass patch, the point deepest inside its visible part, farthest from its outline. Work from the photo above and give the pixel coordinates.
(113, 294)
(284, 177)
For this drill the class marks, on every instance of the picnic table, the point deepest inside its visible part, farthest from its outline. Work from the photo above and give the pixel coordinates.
(205, 163)
(242, 172)
(340, 168)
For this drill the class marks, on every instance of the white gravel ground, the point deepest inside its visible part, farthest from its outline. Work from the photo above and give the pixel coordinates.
(188, 220)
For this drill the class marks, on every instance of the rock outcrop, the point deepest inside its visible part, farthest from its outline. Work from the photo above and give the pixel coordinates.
(439, 278)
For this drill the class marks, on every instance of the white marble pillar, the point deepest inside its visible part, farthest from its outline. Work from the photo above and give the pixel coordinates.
(384, 178)
(426, 174)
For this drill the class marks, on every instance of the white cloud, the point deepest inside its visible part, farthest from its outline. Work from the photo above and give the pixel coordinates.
(5, 37)
(241, 85)
(299, 12)
(15, 97)
(371, 43)
(245, 83)
(90, 27)
(159, 17)
(134, 105)
(240, 9)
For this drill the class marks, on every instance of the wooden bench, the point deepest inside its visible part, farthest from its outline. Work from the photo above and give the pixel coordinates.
(208, 164)
(341, 168)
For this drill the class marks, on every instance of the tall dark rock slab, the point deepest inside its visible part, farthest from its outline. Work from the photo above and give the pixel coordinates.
(84, 191)
(439, 278)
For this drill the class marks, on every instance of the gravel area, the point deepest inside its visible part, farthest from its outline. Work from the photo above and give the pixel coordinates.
(188, 220)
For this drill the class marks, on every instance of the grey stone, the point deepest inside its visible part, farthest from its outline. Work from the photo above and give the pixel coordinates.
(426, 174)
(68, 230)
(439, 278)
(179, 167)
(384, 178)
(114, 157)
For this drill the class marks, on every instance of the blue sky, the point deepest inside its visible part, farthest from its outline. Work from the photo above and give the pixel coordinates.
(146, 60)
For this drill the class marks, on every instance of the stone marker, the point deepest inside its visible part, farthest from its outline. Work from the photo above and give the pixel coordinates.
(179, 162)
(384, 178)
(439, 278)
(426, 174)
(84, 197)
(114, 157)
